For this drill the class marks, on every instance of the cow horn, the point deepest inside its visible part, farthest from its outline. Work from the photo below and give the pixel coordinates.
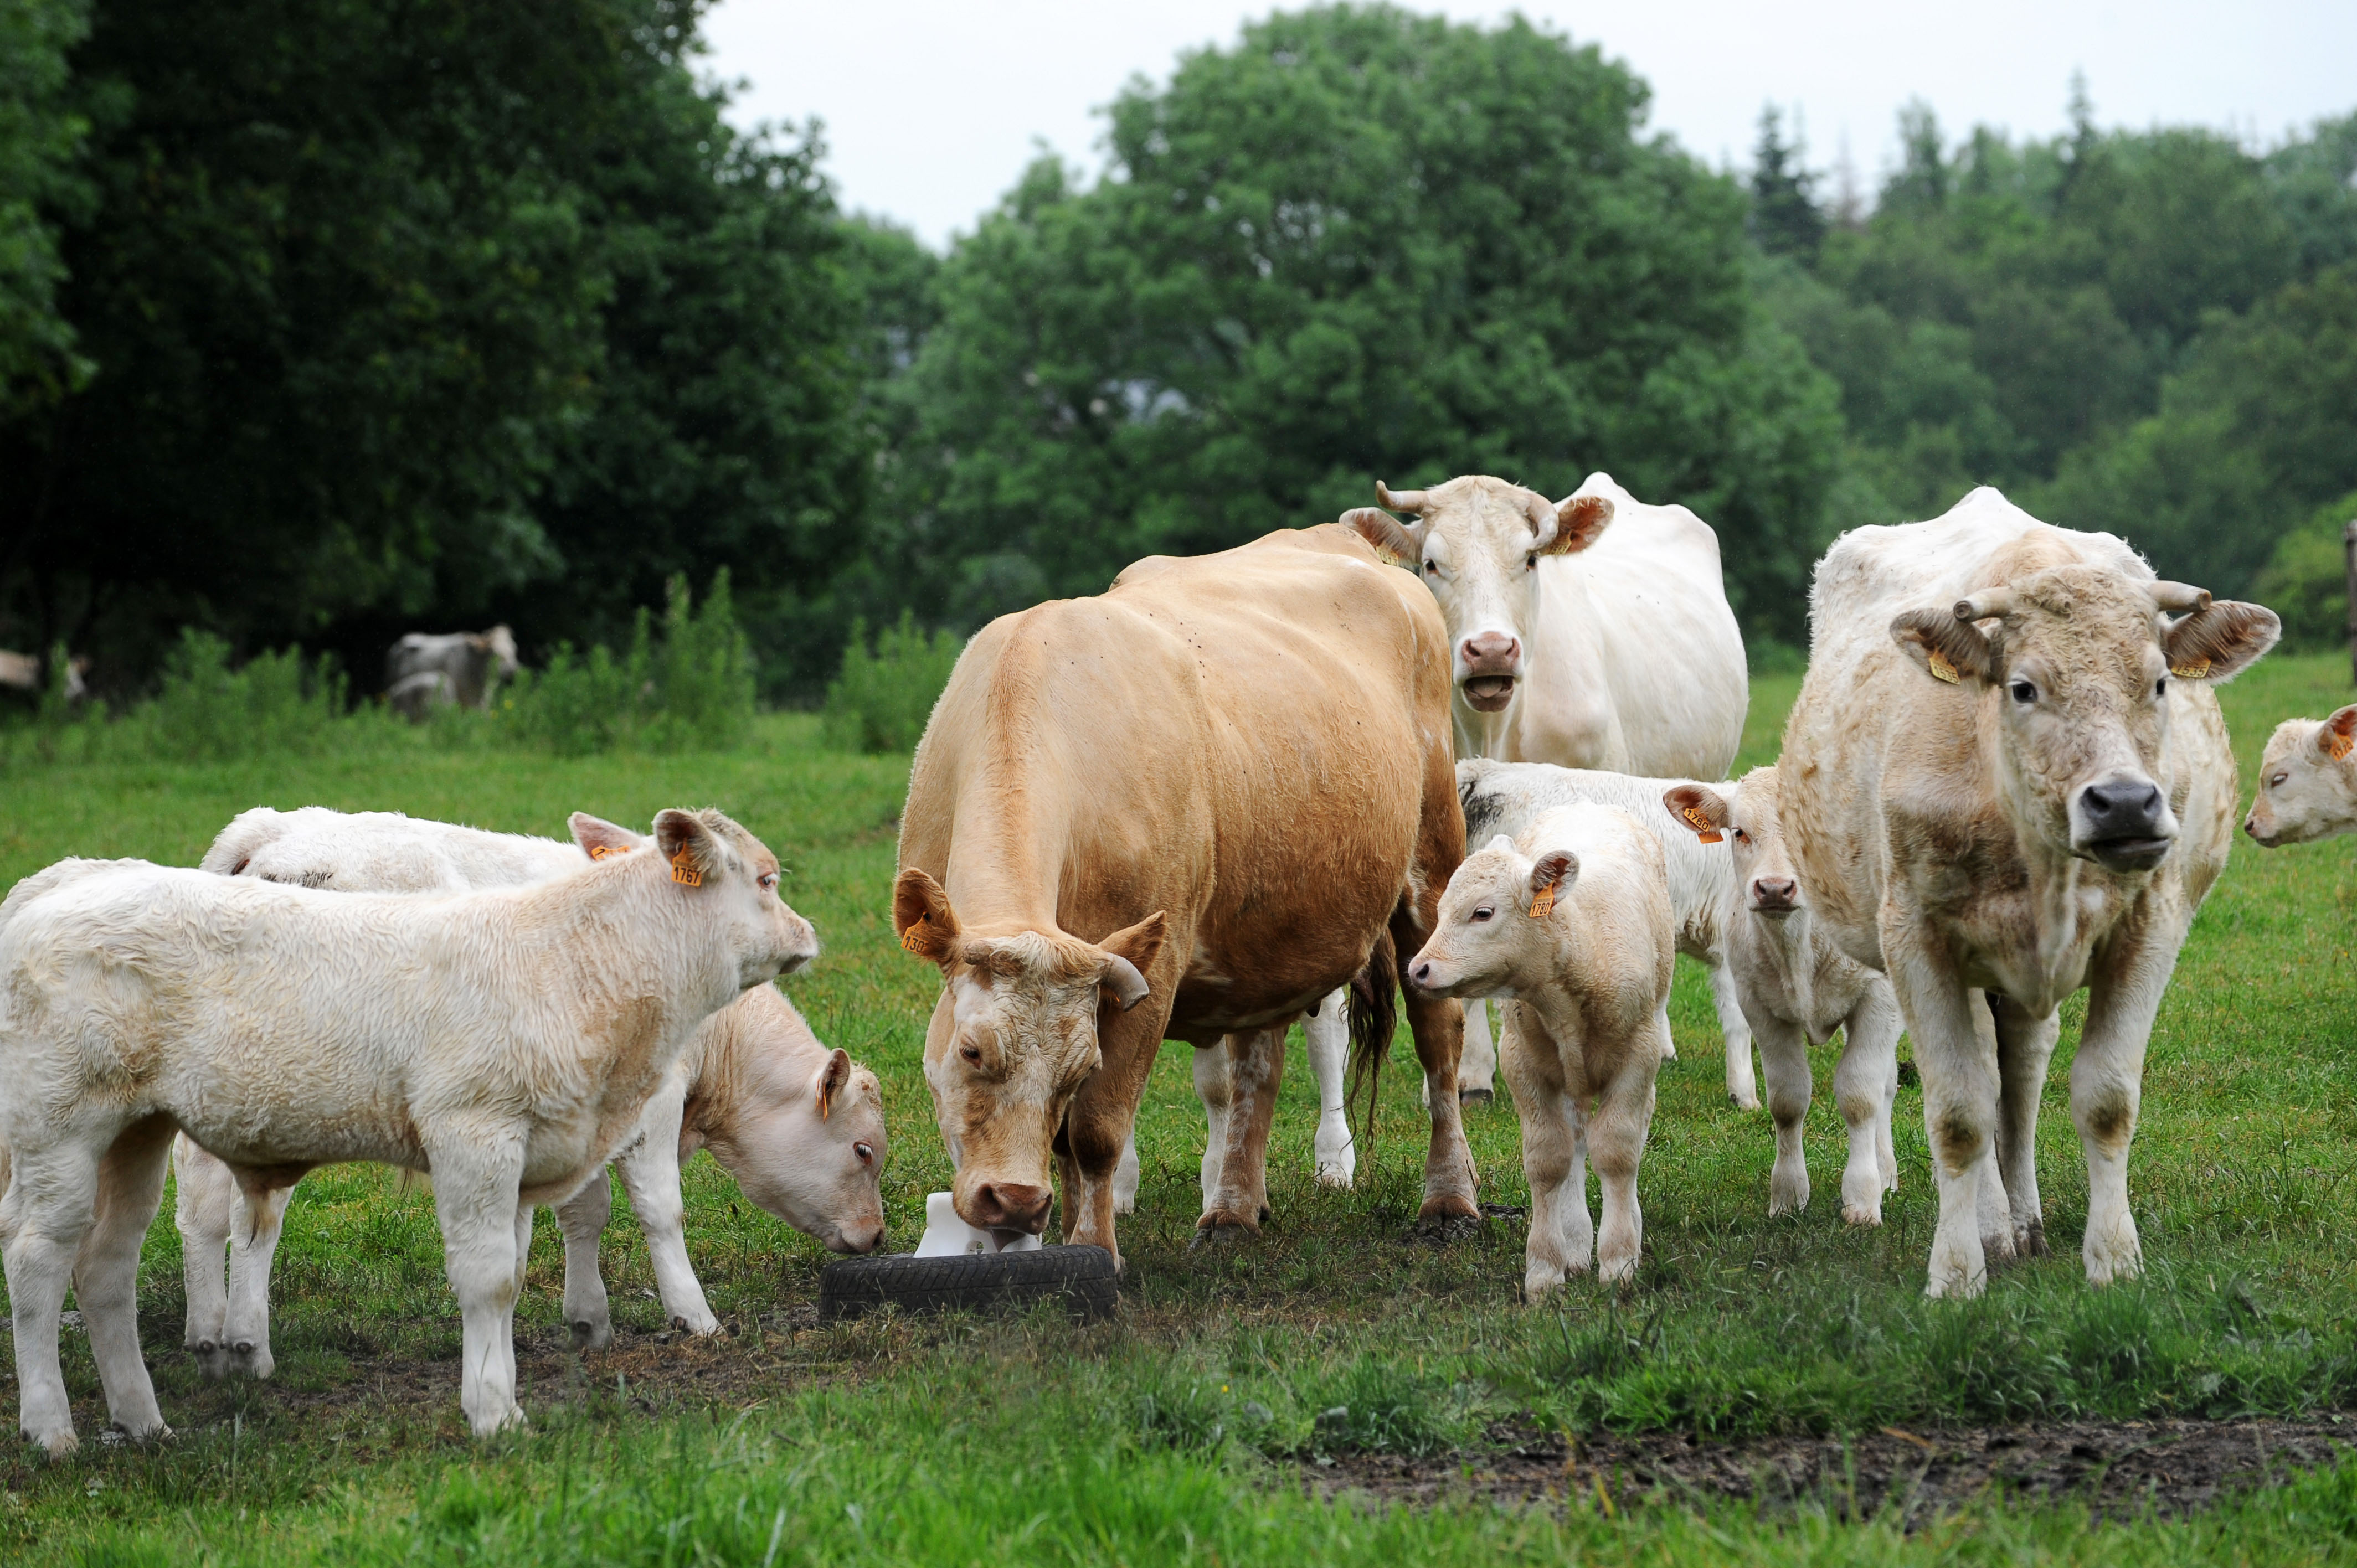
(1986, 603)
(2177, 598)
(1400, 501)
(1543, 517)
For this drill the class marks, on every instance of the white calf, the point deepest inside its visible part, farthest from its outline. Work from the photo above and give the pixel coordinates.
(1571, 921)
(506, 1041)
(800, 1127)
(2308, 782)
(1797, 988)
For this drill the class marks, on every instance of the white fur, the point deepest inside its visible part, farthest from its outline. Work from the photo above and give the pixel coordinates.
(506, 1041)
(747, 1087)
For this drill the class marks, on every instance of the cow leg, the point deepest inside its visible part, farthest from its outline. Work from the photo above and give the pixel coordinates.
(2107, 1085)
(1327, 1034)
(2024, 1045)
(1995, 1211)
(106, 1272)
(1124, 1176)
(1956, 1054)
(477, 1175)
(1864, 1083)
(649, 1172)
(1784, 1063)
(204, 1207)
(1215, 1087)
(1448, 1177)
(1476, 1066)
(50, 1204)
(1105, 1111)
(582, 1217)
(262, 1215)
(1615, 1143)
(1255, 1068)
(1562, 1237)
(1734, 1028)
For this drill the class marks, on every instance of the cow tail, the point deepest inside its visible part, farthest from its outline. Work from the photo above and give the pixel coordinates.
(1374, 1015)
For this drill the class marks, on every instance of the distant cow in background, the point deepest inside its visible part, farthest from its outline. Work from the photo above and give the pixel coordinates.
(25, 673)
(464, 668)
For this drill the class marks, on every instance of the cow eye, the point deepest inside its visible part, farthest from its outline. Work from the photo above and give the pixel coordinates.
(2276, 781)
(1531, 562)
(866, 1153)
(2023, 691)
(768, 882)
(1483, 912)
(1742, 837)
(1431, 567)
(971, 1053)
(2160, 688)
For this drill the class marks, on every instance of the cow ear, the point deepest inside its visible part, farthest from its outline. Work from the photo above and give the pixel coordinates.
(600, 838)
(827, 1084)
(1579, 522)
(687, 841)
(922, 914)
(1129, 952)
(1699, 808)
(1395, 542)
(2220, 642)
(2337, 736)
(1552, 875)
(1948, 650)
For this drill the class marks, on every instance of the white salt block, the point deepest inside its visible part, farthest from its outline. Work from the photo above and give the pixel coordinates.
(947, 1236)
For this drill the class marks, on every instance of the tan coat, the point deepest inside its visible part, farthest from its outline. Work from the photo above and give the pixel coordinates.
(1182, 809)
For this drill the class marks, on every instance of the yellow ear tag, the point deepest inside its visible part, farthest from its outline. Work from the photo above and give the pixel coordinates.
(2337, 743)
(2195, 670)
(1940, 668)
(821, 1102)
(1703, 830)
(600, 852)
(1543, 904)
(911, 940)
(683, 873)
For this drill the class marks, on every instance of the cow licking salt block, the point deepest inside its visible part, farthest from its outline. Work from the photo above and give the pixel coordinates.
(947, 1236)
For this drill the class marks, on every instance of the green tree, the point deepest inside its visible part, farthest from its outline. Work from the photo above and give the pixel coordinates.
(39, 133)
(1785, 218)
(1357, 244)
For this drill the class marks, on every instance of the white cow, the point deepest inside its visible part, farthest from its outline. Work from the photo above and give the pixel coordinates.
(2308, 782)
(426, 670)
(1571, 921)
(799, 1126)
(2006, 778)
(1797, 988)
(1593, 632)
(505, 1041)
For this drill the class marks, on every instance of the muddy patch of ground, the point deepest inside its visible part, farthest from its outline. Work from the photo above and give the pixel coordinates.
(2118, 1468)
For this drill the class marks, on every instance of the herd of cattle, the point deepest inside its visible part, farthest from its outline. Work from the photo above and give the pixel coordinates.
(1232, 794)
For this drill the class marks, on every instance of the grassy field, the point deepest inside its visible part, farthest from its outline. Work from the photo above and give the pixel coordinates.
(1248, 1402)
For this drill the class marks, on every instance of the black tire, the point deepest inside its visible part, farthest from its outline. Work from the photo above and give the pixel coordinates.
(1084, 1278)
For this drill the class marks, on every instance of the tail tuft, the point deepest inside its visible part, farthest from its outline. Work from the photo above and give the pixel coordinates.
(1374, 1015)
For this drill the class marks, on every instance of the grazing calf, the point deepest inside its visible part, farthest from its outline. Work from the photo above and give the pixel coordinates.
(1797, 988)
(799, 1127)
(1572, 921)
(506, 1041)
(2308, 782)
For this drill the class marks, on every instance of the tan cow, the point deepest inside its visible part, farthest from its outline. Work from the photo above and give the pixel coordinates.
(2308, 782)
(2006, 778)
(1183, 810)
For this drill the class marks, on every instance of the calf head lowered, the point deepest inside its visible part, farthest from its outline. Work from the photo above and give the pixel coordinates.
(1012, 1040)
(2076, 661)
(1491, 938)
(2308, 782)
(1477, 543)
(809, 1145)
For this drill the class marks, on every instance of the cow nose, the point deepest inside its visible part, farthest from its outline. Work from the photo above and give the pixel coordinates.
(1010, 1206)
(1774, 891)
(2128, 808)
(1491, 648)
(1421, 974)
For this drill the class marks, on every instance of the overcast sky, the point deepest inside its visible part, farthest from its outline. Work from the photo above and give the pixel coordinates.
(931, 107)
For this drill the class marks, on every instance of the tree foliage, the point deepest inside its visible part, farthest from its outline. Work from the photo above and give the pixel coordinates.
(1359, 244)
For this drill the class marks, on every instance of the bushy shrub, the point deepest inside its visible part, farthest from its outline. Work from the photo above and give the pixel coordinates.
(692, 692)
(207, 712)
(881, 700)
(2306, 580)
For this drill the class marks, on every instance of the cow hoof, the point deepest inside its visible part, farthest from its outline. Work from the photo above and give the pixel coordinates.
(1221, 1231)
(2030, 1241)
(1860, 1214)
(587, 1336)
(1475, 1096)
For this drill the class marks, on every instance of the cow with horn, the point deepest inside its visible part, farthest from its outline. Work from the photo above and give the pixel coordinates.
(2007, 780)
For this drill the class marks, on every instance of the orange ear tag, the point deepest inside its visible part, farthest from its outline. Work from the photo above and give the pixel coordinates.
(1703, 830)
(601, 851)
(821, 1102)
(2193, 670)
(1942, 669)
(911, 940)
(1543, 904)
(2337, 743)
(683, 873)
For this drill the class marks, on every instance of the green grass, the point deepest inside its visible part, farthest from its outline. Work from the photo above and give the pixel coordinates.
(1173, 1434)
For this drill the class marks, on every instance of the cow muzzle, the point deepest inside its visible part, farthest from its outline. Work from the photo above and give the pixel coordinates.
(2122, 823)
(1487, 665)
(1006, 1205)
(1775, 897)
